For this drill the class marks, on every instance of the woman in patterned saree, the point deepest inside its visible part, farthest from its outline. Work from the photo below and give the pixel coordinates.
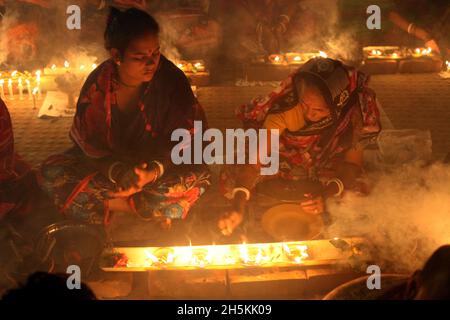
(126, 112)
(325, 115)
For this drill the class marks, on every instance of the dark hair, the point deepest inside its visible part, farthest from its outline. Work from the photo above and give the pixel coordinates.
(435, 275)
(51, 287)
(124, 26)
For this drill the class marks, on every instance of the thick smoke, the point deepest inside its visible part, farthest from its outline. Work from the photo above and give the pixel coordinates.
(327, 34)
(406, 216)
(6, 23)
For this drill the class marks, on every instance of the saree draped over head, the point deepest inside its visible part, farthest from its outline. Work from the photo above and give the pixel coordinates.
(14, 172)
(99, 131)
(314, 151)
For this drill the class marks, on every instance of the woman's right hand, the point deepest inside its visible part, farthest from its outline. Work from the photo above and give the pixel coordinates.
(127, 182)
(231, 219)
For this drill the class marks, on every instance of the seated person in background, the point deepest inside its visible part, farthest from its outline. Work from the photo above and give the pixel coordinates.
(432, 282)
(325, 115)
(126, 113)
(16, 178)
(188, 26)
(430, 25)
(255, 27)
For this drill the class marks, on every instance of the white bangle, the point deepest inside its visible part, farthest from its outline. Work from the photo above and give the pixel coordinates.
(245, 190)
(110, 170)
(160, 167)
(340, 185)
(286, 17)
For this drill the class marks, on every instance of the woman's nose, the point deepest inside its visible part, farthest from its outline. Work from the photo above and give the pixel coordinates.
(150, 62)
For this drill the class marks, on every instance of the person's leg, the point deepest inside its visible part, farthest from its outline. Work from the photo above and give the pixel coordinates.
(77, 191)
(173, 196)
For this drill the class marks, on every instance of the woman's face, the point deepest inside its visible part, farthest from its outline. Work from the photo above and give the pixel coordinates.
(314, 106)
(141, 59)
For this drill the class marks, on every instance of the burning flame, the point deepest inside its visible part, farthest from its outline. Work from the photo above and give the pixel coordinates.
(53, 66)
(94, 66)
(297, 58)
(376, 52)
(13, 74)
(38, 76)
(66, 64)
(82, 67)
(233, 255)
(323, 54)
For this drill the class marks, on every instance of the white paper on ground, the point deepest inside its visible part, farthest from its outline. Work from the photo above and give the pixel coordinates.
(55, 105)
(445, 74)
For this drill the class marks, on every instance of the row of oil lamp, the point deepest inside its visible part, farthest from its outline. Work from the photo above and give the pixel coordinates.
(188, 67)
(219, 256)
(392, 52)
(294, 58)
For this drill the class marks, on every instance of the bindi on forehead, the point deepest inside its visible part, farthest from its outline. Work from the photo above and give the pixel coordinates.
(144, 45)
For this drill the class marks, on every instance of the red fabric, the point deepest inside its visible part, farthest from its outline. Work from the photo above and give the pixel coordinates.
(167, 104)
(12, 167)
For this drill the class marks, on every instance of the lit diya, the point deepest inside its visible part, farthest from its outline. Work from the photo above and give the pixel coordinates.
(294, 58)
(382, 52)
(420, 52)
(277, 59)
(255, 255)
(297, 253)
(160, 257)
(198, 66)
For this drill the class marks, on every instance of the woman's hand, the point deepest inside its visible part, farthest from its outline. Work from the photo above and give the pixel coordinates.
(229, 221)
(145, 175)
(133, 180)
(314, 205)
(433, 45)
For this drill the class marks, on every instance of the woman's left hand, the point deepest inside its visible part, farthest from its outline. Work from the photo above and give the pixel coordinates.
(314, 205)
(433, 45)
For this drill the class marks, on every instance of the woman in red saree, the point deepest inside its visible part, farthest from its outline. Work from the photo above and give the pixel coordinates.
(16, 179)
(125, 116)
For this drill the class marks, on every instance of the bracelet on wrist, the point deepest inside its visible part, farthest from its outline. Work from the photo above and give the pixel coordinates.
(339, 184)
(111, 176)
(244, 190)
